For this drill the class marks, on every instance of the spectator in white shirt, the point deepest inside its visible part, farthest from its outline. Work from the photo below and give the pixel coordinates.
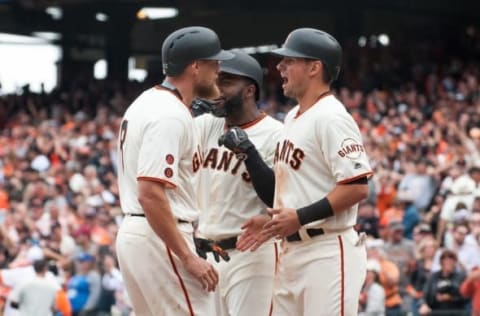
(35, 296)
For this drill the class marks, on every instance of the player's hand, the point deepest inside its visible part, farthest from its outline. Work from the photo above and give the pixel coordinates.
(201, 106)
(284, 222)
(235, 139)
(252, 238)
(202, 271)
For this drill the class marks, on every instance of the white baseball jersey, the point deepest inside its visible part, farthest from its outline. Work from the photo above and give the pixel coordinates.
(227, 197)
(158, 142)
(317, 150)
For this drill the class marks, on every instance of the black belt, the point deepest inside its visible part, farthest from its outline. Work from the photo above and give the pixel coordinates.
(181, 221)
(310, 232)
(135, 214)
(228, 243)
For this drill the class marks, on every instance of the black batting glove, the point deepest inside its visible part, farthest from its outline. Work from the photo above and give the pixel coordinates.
(201, 106)
(218, 253)
(203, 246)
(236, 139)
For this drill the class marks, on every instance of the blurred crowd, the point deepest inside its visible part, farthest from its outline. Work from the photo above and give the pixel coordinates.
(59, 198)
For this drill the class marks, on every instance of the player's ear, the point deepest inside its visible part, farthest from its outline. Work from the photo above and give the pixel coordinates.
(315, 67)
(194, 66)
(249, 91)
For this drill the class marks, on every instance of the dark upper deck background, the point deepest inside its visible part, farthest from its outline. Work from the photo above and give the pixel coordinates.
(409, 23)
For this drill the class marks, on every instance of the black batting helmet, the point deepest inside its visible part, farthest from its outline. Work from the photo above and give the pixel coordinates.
(314, 44)
(187, 44)
(244, 65)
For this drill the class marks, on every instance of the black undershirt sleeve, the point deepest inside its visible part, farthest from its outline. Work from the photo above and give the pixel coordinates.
(362, 180)
(262, 176)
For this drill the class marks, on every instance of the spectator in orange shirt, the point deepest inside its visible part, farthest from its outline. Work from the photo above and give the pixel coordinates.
(4, 199)
(394, 213)
(386, 194)
(389, 277)
(470, 288)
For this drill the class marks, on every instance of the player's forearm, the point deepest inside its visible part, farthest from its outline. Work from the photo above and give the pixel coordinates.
(344, 196)
(262, 176)
(341, 198)
(157, 210)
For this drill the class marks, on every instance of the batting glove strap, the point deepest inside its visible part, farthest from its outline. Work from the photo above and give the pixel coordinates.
(203, 246)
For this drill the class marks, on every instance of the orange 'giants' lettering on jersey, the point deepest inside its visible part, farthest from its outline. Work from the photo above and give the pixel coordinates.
(222, 160)
(288, 153)
(351, 149)
(197, 160)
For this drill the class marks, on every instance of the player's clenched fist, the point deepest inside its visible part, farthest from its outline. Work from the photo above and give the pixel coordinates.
(235, 139)
(202, 271)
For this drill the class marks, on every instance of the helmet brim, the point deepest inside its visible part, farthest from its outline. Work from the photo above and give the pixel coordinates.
(235, 72)
(283, 51)
(221, 55)
(232, 71)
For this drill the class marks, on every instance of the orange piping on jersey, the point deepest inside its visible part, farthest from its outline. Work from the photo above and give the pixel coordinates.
(342, 277)
(182, 285)
(276, 271)
(366, 174)
(255, 121)
(321, 96)
(168, 184)
(249, 124)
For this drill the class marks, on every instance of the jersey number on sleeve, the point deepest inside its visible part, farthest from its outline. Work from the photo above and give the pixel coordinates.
(123, 135)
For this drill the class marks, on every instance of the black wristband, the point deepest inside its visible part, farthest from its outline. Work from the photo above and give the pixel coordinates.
(314, 212)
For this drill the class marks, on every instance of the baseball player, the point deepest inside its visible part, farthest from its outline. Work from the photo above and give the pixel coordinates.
(321, 173)
(228, 197)
(159, 160)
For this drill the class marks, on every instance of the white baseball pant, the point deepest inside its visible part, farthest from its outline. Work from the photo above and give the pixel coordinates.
(156, 281)
(246, 282)
(322, 276)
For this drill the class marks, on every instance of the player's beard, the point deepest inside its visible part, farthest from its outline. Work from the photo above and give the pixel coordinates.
(209, 92)
(234, 104)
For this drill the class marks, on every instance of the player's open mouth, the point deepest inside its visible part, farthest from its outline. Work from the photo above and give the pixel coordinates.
(284, 81)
